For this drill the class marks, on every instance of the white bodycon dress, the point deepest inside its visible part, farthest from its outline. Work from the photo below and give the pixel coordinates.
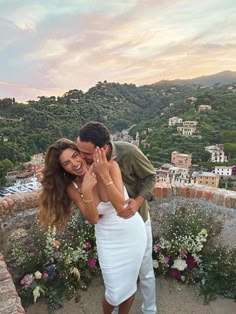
(120, 244)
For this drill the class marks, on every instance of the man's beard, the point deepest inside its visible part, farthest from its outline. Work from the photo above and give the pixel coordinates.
(89, 161)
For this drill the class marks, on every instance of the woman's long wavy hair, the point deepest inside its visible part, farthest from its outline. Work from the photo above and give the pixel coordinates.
(54, 203)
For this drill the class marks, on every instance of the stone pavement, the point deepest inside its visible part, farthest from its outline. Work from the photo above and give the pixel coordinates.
(172, 298)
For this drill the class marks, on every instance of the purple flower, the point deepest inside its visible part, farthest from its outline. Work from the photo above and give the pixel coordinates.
(51, 270)
(183, 253)
(92, 262)
(27, 280)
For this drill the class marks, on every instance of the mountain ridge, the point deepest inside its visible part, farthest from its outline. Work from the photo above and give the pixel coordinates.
(222, 78)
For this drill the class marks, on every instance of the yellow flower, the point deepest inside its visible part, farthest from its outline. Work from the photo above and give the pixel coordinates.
(37, 292)
(38, 275)
(204, 233)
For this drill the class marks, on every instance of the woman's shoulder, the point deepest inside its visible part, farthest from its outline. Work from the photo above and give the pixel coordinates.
(114, 165)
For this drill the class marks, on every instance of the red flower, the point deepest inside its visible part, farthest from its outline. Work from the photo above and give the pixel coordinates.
(175, 273)
(190, 262)
(88, 245)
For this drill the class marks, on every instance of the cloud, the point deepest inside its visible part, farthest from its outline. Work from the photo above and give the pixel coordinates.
(51, 47)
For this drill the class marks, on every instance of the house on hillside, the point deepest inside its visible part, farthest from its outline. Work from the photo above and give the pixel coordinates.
(174, 121)
(224, 170)
(188, 128)
(206, 178)
(192, 99)
(204, 108)
(217, 153)
(181, 160)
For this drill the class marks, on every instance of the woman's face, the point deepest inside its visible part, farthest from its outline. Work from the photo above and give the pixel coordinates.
(72, 163)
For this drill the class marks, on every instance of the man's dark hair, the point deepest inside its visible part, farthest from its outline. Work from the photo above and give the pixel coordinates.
(96, 133)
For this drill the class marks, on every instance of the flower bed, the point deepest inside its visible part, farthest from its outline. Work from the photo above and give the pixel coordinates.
(56, 265)
(184, 250)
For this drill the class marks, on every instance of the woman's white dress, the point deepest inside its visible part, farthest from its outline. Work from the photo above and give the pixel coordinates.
(120, 244)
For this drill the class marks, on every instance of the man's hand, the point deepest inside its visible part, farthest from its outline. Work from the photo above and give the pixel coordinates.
(131, 207)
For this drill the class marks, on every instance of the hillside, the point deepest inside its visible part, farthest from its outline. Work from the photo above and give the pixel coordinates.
(29, 129)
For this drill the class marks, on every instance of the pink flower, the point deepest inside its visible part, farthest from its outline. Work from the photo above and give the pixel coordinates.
(92, 262)
(45, 275)
(27, 280)
(56, 244)
(166, 259)
(183, 253)
(175, 273)
(88, 245)
(157, 248)
(191, 263)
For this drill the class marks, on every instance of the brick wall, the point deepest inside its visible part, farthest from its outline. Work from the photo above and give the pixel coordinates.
(222, 197)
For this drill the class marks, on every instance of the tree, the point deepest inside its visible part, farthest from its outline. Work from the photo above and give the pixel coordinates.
(5, 166)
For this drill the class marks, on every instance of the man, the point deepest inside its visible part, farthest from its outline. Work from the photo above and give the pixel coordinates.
(139, 178)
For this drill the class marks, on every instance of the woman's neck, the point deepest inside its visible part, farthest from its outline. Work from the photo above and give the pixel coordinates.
(78, 180)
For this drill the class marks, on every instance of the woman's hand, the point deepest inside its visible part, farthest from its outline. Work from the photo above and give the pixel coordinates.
(89, 180)
(101, 164)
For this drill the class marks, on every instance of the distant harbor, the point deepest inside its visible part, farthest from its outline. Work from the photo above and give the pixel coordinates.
(30, 186)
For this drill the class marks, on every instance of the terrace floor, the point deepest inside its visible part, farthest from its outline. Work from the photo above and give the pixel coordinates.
(172, 298)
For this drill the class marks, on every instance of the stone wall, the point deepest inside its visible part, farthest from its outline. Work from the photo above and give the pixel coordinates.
(9, 300)
(17, 215)
(19, 211)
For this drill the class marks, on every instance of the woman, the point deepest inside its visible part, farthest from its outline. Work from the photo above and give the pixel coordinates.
(96, 191)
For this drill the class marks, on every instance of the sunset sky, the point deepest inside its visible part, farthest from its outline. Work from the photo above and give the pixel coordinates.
(48, 47)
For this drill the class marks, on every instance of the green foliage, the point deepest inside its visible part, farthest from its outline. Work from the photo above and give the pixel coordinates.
(31, 128)
(230, 149)
(5, 166)
(55, 264)
(217, 274)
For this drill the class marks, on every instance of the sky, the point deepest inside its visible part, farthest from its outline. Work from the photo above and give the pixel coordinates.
(48, 47)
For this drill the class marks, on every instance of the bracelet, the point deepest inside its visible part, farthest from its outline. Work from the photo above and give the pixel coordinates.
(108, 183)
(87, 201)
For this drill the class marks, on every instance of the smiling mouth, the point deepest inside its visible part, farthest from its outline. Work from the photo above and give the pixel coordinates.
(79, 167)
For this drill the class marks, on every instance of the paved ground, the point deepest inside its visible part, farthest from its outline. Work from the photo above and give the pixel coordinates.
(172, 298)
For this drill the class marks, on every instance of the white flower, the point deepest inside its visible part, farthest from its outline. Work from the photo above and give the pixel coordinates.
(38, 275)
(75, 272)
(155, 263)
(179, 264)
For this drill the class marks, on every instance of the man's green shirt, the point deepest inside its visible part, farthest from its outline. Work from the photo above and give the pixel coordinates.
(138, 174)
